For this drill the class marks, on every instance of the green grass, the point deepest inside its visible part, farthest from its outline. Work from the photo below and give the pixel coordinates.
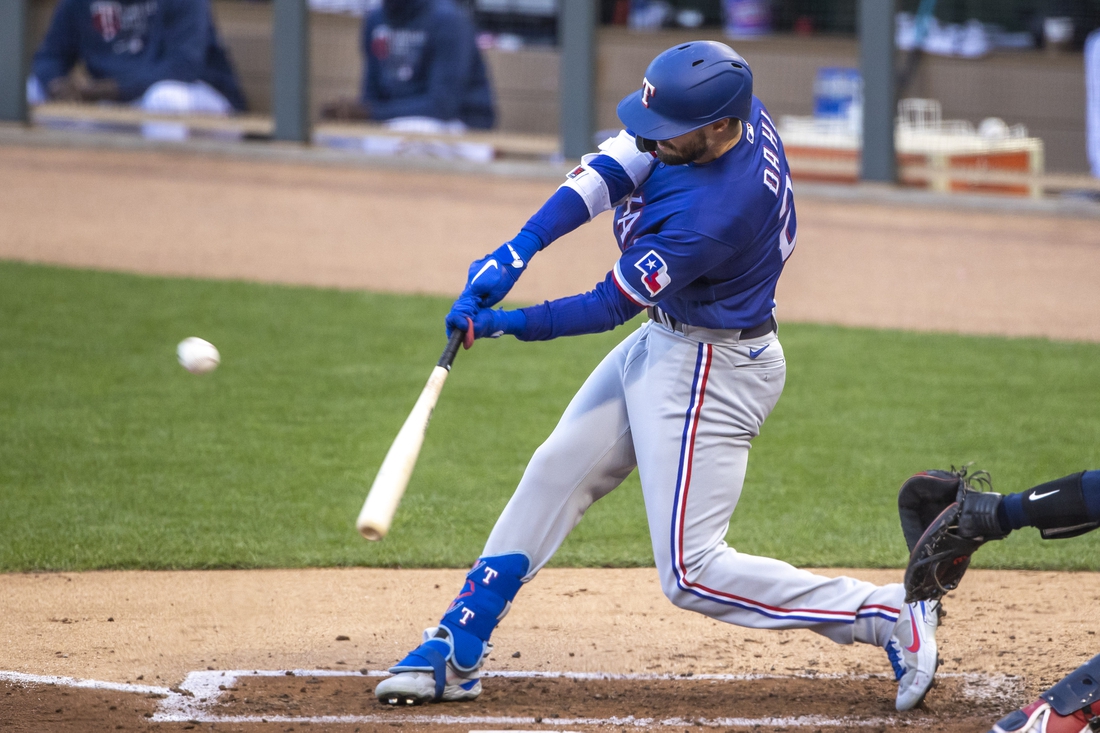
(112, 456)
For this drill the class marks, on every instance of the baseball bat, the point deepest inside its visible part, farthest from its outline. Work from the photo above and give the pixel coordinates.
(393, 477)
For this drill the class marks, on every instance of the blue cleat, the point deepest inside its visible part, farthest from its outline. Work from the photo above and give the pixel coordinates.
(429, 674)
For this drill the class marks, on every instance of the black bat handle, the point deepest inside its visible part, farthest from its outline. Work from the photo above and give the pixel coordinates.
(453, 343)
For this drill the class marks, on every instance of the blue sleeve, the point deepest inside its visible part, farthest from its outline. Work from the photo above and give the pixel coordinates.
(186, 35)
(60, 49)
(452, 58)
(600, 309)
(565, 210)
(657, 265)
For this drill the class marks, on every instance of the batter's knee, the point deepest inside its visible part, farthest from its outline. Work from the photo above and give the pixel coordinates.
(681, 598)
(677, 590)
(680, 581)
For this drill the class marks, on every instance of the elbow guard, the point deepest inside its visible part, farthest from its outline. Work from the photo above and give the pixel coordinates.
(592, 188)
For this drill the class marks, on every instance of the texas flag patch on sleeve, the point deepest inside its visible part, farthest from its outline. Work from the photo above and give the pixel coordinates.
(654, 278)
(654, 273)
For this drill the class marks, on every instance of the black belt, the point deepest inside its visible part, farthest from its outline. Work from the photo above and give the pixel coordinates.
(763, 329)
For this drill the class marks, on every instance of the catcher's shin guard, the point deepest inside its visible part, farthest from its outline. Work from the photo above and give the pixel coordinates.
(1040, 717)
(1071, 706)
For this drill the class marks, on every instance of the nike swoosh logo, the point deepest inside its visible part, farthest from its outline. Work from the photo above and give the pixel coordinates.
(486, 266)
(516, 261)
(758, 352)
(1037, 497)
(916, 636)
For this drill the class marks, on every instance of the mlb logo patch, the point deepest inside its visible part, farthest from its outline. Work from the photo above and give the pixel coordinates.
(578, 171)
(654, 272)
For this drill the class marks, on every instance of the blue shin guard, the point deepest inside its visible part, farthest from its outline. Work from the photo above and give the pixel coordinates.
(469, 621)
(485, 599)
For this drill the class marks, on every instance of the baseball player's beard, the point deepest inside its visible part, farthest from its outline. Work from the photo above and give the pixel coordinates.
(682, 150)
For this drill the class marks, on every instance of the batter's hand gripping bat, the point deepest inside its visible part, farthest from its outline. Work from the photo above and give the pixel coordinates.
(389, 485)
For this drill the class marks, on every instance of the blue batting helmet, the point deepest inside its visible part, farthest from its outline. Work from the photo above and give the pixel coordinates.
(686, 87)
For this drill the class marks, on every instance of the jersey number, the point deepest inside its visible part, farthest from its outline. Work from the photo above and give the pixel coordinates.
(789, 233)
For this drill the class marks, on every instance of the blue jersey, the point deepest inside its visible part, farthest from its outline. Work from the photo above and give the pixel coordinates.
(706, 243)
(421, 59)
(137, 43)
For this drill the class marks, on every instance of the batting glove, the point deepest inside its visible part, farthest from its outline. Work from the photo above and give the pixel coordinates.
(491, 277)
(465, 307)
(487, 322)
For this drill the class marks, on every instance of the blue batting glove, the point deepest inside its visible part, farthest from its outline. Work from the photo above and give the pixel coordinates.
(465, 307)
(492, 277)
(490, 323)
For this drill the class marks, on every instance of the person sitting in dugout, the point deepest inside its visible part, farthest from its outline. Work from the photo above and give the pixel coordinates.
(422, 70)
(161, 55)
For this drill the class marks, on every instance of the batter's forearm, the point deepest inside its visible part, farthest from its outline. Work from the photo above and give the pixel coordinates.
(562, 213)
(598, 310)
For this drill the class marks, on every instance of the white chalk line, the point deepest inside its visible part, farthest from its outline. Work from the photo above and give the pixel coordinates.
(806, 721)
(201, 690)
(40, 679)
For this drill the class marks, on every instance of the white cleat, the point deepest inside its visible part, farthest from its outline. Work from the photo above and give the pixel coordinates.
(415, 688)
(913, 653)
(417, 678)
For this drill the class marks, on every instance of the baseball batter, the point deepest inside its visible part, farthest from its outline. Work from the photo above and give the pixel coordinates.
(704, 217)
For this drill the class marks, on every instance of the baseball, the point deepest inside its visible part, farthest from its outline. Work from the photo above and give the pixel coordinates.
(197, 355)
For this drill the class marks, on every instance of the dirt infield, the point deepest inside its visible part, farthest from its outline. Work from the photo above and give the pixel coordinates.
(855, 264)
(201, 646)
(159, 626)
(151, 640)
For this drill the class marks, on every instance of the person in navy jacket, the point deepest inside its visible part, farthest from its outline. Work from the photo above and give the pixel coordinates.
(421, 63)
(162, 55)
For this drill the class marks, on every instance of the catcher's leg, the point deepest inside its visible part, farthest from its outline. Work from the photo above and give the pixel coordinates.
(1071, 706)
(588, 454)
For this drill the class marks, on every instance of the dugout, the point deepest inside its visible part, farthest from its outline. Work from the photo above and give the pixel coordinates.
(1042, 90)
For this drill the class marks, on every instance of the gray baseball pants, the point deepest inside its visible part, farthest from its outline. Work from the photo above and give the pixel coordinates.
(683, 409)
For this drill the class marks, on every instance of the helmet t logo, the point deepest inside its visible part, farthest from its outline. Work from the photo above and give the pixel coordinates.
(648, 90)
